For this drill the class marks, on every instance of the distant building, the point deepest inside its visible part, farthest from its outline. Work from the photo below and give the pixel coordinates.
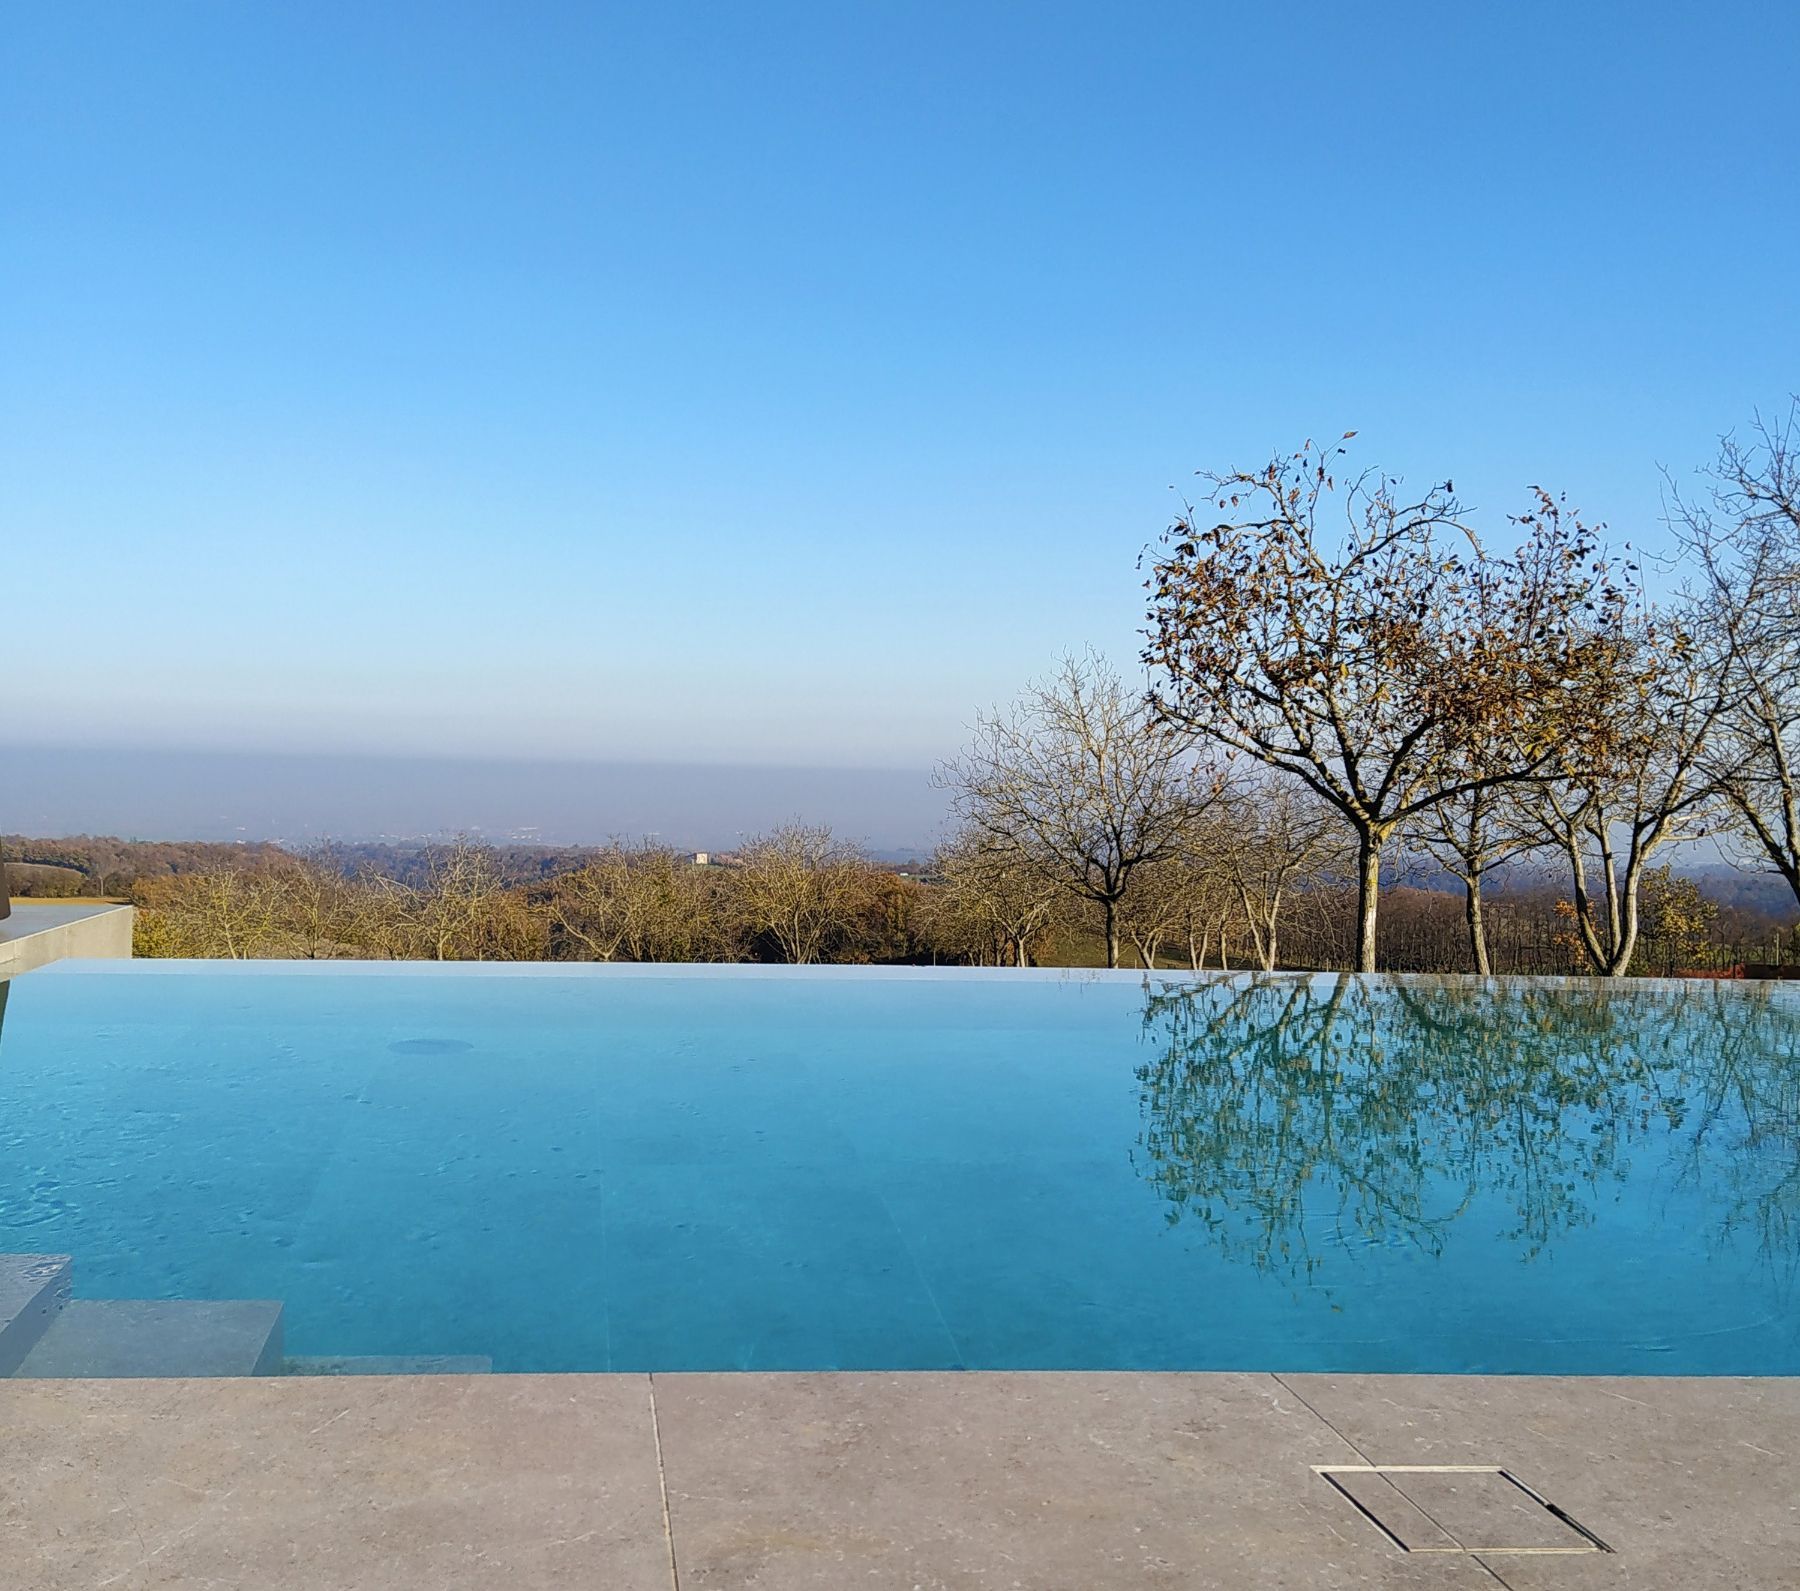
(702, 858)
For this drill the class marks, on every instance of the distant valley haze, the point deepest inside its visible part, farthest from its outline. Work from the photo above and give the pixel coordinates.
(304, 798)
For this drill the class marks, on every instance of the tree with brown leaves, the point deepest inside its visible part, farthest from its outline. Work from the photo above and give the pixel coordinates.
(1364, 660)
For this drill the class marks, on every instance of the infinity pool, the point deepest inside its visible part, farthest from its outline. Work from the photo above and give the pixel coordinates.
(710, 1168)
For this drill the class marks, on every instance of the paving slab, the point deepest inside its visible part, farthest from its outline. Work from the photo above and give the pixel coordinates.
(915, 1482)
(327, 1483)
(1052, 1482)
(1693, 1481)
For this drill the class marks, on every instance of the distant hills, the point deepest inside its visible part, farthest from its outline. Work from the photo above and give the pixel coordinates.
(300, 799)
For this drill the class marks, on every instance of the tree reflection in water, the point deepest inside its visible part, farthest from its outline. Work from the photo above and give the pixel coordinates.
(1282, 1111)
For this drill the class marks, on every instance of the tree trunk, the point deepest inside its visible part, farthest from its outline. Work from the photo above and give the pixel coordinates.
(1615, 927)
(1251, 921)
(1477, 929)
(1368, 894)
(1112, 932)
(1625, 945)
(1588, 935)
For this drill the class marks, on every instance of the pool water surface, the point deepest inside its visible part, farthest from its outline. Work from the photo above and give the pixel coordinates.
(707, 1169)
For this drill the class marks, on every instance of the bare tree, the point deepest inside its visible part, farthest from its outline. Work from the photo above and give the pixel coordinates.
(1159, 906)
(798, 888)
(999, 900)
(1470, 835)
(1609, 817)
(642, 904)
(324, 908)
(1742, 540)
(1211, 905)
(1361, 661)
(1280, 836)
(216, 913)
(463, 911)
(1080, 779)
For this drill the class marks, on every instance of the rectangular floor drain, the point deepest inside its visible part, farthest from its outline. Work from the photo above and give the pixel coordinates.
(1459, 1508)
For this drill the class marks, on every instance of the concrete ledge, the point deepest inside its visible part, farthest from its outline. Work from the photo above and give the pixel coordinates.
(39, 932)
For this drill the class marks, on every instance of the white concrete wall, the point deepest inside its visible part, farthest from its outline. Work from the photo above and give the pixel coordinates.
(39, 932)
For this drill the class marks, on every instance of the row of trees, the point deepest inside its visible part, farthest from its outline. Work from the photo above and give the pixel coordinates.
(1352, 667)
(105, 865)
(797, 894)
(1258, 888)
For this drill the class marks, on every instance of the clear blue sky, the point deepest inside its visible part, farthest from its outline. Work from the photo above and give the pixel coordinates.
(784, 383)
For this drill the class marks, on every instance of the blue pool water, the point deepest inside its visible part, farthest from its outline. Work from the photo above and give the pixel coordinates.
(713, 1169)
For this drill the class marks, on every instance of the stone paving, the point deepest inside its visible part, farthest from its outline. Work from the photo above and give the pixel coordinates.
(1052, 1482)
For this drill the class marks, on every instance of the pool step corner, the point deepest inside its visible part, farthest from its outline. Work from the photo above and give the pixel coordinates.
(34, 1289)
(140, 1337)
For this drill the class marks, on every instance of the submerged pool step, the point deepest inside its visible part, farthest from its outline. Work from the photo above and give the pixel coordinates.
(131, 1337)
(33, 1289)
(416, 1364)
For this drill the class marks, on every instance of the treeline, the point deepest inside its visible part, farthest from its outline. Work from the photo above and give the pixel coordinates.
(107, 866)
(516, 863)
(800, 895)
(104, 866)
(797, 894)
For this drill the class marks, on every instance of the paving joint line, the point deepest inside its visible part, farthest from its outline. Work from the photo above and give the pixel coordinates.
(1356, 1448)
(906, 1248)
(662, 1485)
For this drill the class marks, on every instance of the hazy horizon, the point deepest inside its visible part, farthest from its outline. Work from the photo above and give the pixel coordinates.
(301, 798)
(786, 384)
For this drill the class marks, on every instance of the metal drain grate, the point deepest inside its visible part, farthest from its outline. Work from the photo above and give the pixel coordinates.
(1459, 1508)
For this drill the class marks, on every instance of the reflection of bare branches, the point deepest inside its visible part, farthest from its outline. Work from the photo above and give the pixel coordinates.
(1389, 1107)
(1748, 1121)
(1251, 1079)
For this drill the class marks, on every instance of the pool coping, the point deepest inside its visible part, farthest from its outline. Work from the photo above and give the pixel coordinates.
(839, 972)
(1052, 1481)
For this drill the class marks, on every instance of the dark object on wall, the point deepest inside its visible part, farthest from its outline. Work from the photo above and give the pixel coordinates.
(5, 896)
